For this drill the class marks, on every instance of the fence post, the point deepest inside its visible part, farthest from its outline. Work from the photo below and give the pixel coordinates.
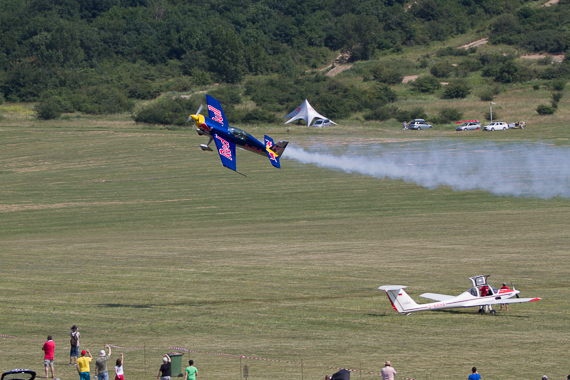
(301, 369)
(144, 358)
(239, 378)
(360, 371)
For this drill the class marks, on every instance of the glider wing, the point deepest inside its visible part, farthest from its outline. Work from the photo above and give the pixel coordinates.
(436, 297)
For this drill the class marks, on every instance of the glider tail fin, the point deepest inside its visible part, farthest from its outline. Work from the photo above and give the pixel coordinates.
(274, 151)
(401, 301)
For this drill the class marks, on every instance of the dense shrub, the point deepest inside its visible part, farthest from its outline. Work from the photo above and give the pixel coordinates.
(142, 90)
(201, 77)
(487, 95)
(48, 109)
(453, 51)
(381, 114)
(418, 113)
(511, 72)
(101, 100)
(558, 85)
(448, 115)
(384, 75)
(470, 65)
(556, 96)
(456, 89)
(426, 83)
(402, 115)
(441, 69)
(259, 116)
(544, 109)
(2, 100)
(167, 111)
(227, 94)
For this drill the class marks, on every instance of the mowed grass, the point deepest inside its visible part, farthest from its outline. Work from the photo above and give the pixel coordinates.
(142, 239)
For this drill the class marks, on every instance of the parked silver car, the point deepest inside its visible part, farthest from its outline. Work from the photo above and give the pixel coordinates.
(322, 123)
(419, 124)
(496, 126)
(470, 125)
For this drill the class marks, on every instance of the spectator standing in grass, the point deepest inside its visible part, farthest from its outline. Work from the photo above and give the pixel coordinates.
(101, 364)
(164, 371)
(119, 368)
(388, 372)
(49, 351)
(191, 371)
(83, 365)
(474, 375)
(505, 287)
(74, 342)
(405, 125)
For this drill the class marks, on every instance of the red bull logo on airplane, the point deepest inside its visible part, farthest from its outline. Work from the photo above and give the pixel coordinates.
(225, 150)
(218, 114)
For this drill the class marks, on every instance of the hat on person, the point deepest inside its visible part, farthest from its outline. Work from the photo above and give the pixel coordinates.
(544, 377)
(387, 363)
(74, 327)
(164, 359)
(102, 353)
(504, 284)
(83, 352)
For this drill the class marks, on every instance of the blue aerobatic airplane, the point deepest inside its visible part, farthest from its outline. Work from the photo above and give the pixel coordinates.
(217, 128)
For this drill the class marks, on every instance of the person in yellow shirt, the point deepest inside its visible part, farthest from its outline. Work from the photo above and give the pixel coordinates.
(83, 365)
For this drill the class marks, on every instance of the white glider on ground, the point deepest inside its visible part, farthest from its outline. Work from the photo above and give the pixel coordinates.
(480, 295)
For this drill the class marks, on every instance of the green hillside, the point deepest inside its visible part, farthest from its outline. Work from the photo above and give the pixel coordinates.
(109, 57)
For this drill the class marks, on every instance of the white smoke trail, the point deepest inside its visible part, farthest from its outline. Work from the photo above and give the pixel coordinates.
(530, 170)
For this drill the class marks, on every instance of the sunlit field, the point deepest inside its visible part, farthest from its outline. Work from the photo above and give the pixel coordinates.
(146, 242)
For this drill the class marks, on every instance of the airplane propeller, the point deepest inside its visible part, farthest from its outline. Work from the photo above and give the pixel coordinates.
(195, 116)
(512, 286)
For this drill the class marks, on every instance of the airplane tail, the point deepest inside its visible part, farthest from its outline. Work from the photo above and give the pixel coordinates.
(274, 151)
(401, 301)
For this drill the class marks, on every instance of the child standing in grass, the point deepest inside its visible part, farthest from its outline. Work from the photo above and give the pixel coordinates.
(119, 368)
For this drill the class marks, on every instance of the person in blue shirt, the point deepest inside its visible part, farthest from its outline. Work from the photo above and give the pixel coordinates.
(475, 375)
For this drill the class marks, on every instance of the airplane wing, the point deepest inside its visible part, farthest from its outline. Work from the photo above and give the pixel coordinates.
(215, 111)
(227, 151)
(509, 300)
(436, 297)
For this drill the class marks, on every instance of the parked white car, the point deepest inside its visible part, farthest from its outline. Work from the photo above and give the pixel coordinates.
(322, 123)
(496, 126)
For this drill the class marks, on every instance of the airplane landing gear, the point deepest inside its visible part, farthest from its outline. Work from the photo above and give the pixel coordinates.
(207, 146)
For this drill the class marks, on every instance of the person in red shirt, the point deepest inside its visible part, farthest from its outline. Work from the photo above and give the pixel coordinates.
(505, 287)
(49, 350)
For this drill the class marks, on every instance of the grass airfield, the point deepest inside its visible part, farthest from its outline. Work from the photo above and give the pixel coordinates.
(142, 239)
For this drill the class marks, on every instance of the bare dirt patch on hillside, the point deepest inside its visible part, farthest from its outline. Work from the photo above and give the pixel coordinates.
(480, 42)
(555, 58)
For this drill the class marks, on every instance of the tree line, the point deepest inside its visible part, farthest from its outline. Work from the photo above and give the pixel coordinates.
(136, 49)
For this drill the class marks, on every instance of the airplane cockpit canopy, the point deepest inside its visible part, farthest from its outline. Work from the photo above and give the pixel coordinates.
(479, 280)
(476, 291)
(239, 133)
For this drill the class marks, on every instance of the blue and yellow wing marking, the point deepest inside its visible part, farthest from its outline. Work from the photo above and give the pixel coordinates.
(215, 111)
(227, 151)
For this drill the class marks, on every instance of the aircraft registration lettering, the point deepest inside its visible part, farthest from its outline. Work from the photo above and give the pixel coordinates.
(225, 151)
(218, 114)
